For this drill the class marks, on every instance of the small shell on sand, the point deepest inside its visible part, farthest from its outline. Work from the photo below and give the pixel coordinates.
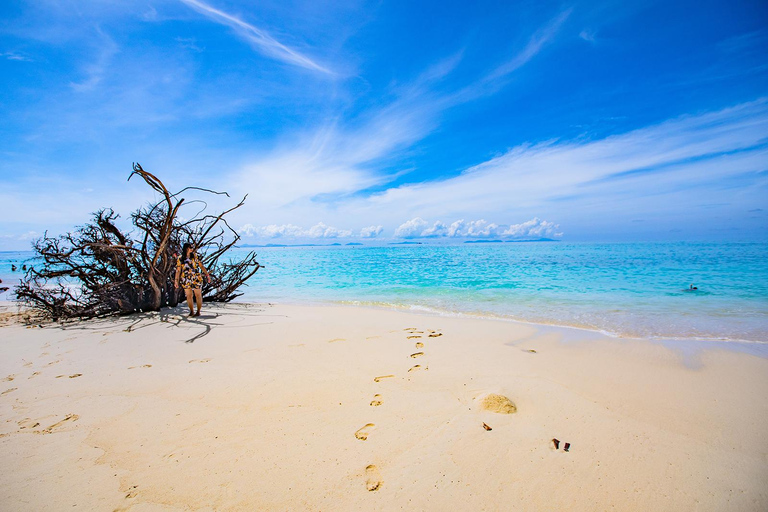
(498, 403)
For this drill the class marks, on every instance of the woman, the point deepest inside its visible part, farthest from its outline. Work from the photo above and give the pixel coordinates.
(191, 270)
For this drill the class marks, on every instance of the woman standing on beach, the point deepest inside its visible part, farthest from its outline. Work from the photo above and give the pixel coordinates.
(191, 269)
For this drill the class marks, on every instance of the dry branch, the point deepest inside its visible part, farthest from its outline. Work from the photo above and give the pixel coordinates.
(100, 270)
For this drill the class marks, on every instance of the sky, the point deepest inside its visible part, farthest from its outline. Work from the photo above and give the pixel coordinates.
(354, 120)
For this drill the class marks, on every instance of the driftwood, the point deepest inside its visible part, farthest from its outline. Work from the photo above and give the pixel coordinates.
(100, 270)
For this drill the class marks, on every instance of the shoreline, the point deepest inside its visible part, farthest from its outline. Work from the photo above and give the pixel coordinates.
(278, 407)
(759, 347)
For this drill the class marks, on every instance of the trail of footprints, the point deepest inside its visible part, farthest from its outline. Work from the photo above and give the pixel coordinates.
(373, 479)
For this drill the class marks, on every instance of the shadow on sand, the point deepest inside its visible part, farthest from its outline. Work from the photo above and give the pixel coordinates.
(174, 318)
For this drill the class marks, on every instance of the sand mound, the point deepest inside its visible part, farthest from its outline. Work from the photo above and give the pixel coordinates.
(498, 403)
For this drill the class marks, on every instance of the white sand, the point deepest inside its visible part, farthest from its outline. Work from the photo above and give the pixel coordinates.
(277, 408)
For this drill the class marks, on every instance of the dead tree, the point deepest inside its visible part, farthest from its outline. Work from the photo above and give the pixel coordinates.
(100, 270)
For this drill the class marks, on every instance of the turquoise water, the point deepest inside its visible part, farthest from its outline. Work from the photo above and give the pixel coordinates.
(624, 289)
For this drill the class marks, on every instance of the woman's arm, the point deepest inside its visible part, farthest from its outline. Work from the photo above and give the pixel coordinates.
(205, 271)
(176, 279)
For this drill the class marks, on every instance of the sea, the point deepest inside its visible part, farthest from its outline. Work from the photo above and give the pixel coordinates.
(630, 290)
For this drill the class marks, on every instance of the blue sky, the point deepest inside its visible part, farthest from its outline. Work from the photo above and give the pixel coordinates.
(442, 120)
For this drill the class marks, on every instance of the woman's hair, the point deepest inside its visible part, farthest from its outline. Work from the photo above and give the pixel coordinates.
(187, 246)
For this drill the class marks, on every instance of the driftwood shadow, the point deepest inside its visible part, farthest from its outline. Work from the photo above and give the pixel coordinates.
(174, 318)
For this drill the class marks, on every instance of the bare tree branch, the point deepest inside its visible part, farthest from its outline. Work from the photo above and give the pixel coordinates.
(101, 270)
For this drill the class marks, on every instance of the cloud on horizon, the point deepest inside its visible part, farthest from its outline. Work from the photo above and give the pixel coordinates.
(419, 228)
(319, 230)
(414, 228)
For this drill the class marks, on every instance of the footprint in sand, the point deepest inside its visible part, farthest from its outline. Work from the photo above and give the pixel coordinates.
(142, 366)
(33, 375)
(199, 360)
(372, 478)
(412, 337)
(372, 337)
(76, 375)
(67, 419)
(28, 423)
(363, 432)
(379, 378)
(376, 400)
(8, 378)
(416, 354)
(132, 491)
(8, 391)
(498, 404)
(336, 339)
(419, 344)
(53, 362)
(415, 368)
(435, 334)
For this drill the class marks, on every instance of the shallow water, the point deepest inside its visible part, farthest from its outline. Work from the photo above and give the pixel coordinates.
(624, 289)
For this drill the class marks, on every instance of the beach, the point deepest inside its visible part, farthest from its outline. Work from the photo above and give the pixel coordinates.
(321, 407)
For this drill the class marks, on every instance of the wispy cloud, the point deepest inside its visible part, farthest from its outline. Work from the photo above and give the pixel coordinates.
(336, 161)
(190, 43)
(654, 171)
(535, 44)
(17, 56)
(587, 35)
(258, 38)
(95, 71)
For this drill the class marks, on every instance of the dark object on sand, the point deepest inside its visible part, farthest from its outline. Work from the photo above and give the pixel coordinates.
(486, 427)
(567, 447)
(101, 270)
(556, 442)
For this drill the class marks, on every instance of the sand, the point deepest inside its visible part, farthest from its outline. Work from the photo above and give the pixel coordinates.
(343, 408)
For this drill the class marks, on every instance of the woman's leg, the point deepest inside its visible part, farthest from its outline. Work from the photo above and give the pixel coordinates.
(199, 298)
(190, 297)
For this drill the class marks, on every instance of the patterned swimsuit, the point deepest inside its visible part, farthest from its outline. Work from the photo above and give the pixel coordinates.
(191, 273)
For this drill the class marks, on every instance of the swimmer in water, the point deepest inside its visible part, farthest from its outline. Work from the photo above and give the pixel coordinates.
(694, 287)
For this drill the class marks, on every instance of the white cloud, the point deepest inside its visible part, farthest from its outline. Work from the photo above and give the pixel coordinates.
(371, 231)
(533, 228)
(257, 37)
(412, 228)
(323, 231)
(271, 231)
(320, 230)
(419, 228)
